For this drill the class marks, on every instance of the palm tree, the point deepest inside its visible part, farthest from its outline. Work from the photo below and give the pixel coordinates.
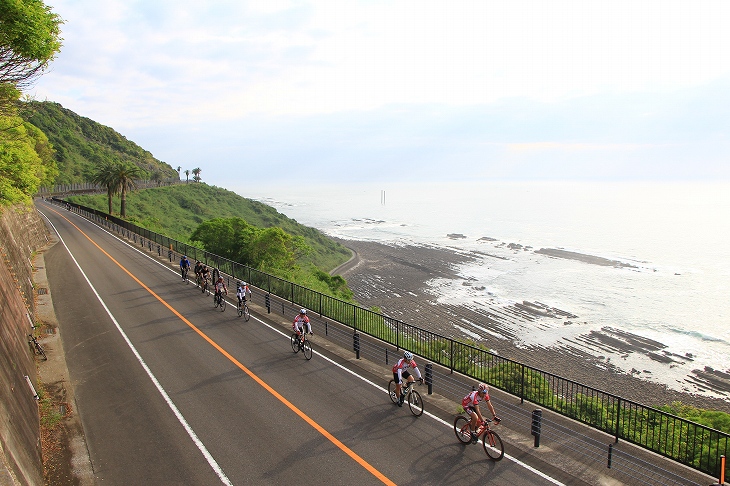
(104, 176)
(178, 172)
(126, 175)
(187, 175)
(196, 174)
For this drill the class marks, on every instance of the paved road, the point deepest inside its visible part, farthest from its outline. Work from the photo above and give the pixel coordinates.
(221, 400)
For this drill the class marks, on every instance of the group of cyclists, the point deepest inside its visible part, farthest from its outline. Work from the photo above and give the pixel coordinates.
(470, 402)
(302, 326)
(203, 276)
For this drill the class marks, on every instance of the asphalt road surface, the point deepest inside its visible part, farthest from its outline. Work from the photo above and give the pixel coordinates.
(171, 391)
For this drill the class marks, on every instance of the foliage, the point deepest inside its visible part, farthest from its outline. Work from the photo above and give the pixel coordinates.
(26, 160)
(82, 145)
(176, 211)
(30, 37)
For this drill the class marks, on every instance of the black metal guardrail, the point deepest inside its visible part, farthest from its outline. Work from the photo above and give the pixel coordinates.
(676, 438)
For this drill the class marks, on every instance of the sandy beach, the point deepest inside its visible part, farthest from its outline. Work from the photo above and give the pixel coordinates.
(393, 278)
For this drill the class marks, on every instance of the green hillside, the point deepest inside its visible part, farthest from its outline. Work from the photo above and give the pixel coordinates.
(82, 144)
(177, 210)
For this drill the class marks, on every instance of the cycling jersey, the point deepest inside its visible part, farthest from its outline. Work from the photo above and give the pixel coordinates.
(220, 286)
(300, 322)
(400, 369)
(473, 399)
(241, 293)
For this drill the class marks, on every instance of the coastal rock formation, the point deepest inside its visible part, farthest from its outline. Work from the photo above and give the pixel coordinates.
(571, 255)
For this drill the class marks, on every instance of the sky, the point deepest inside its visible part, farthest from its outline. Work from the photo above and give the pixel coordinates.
(287, 91)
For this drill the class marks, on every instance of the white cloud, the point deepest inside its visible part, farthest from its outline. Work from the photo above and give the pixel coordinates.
(562, 73)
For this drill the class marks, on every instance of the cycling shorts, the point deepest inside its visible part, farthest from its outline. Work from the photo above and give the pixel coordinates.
(405, 374)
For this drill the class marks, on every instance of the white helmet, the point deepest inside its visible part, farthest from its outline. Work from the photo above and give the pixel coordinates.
(303, 311)
(408, 355)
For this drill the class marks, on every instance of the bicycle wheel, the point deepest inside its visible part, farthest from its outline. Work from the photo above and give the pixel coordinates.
(415, 403)
(391, 392)
(462, 430)
(215, 301)
(307, 349)
(295, 343)
(493, 445)
(222, 303)
(240, 311)
(246, 313)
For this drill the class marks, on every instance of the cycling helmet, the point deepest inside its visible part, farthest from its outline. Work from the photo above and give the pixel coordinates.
(243, 284)
(303, 311)
(408, 355)
(483, 388)
(184, 257)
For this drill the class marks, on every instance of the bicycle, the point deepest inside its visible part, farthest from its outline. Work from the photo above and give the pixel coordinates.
(204, 284)
(219, 301)
(490, 439)
(36, 347)
(243, 311)
(301, 344)
(415, 402)
(184, 272)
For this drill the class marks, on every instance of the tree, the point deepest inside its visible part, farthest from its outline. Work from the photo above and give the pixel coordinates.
(104, 175)
(178, 172)
(126, 176)
(187, 175)
(196, 174)
(26, 158)
(157, 177)
(30, 37)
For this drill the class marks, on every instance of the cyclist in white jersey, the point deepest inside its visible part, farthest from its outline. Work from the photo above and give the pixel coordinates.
(400, 371)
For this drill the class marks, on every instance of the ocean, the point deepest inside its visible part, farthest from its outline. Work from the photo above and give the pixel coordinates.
(668, 242)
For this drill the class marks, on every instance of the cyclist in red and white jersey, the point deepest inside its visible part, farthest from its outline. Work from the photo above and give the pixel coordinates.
(301, 324)
(400, 371)
(471, 407)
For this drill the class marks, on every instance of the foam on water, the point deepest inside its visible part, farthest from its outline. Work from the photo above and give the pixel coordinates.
(675, 236)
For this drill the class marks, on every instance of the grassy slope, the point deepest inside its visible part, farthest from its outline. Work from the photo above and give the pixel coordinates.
(176, 211)
(82, 144)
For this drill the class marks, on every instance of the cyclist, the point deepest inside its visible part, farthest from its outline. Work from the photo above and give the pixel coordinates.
(197, 268)
(301, 324)
(220, 288)
(204, 276)
(471, 407)
(400, 371)
(241, 291)
(184, 266)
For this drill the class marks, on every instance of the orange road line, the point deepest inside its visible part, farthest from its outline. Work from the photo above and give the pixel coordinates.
(372, 470)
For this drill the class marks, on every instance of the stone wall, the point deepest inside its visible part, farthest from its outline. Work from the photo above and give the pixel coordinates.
(22, 231)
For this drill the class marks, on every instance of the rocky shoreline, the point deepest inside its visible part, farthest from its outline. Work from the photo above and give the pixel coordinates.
(393, 278)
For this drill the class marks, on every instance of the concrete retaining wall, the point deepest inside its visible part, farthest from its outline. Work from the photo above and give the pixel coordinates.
(22, 231)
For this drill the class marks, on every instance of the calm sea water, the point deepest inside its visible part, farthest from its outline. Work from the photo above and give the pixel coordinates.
(677, 235)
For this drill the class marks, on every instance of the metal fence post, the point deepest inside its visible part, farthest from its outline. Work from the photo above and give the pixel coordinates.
(610, 455)
(429, 377)
(356, 344)
(536, 425)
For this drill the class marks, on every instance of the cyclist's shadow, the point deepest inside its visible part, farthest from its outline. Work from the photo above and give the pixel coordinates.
(447, 464)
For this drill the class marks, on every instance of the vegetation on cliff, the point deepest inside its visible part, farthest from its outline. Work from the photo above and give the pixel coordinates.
(237, 228)
(82, 145)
